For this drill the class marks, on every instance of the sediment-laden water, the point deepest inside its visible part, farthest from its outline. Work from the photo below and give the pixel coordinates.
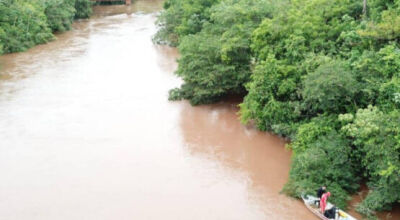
(87, 132)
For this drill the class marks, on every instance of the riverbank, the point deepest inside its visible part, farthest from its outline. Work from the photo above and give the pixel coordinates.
(329, 82)
(86, 131)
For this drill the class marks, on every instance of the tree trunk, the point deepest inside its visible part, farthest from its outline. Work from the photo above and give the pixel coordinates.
(365, 8)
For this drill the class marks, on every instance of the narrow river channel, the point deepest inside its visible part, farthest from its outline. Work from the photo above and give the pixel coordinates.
(87, 132)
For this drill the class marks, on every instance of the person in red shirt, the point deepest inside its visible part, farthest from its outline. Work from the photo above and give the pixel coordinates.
(320, 192)
(324, 201)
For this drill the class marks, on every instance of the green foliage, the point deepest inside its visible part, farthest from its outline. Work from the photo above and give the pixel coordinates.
(308, 132)
(24, 23)
(115, 2)
(206, 76)
(322, 156)
(389, 61)
(387, 29)
(216, 61)
(311, 69)
(377, 73)
(272, 100)
(326, 161)
(287, 47)
(318, 58)
(305, 27)
(389, 94)
(181, 18)
(60, 14)
(331, 88)
(377, 138)
(83, 8)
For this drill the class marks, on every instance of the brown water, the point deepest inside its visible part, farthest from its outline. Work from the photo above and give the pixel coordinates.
(87, 132)
(358, 197)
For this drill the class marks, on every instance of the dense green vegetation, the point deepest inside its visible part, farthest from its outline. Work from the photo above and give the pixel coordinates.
(216, 61)
(323, 73)
(25, 23)
(119, 2)
(181, 18)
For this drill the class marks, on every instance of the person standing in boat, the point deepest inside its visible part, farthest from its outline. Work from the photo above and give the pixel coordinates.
(320, 192)
(324, 201)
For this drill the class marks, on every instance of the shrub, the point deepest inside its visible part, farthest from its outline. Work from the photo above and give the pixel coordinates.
(23, 24)
(326, 161)
(83, 8)
(60, 14)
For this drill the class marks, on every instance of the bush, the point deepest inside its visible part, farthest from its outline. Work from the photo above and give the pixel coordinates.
(216, 61)
(311, 68)
(325, 161)
(331, 88)
(60, 14)
(272, 100)
(23, 24)
(83, 9)
(310, 131)
(376, 136)
(181, 18)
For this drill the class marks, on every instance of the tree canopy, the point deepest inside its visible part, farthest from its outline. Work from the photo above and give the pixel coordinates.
(25, 23)
(323, 73)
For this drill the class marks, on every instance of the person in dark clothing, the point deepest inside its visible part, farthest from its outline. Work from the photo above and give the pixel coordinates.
(320, 192)
(331, 213)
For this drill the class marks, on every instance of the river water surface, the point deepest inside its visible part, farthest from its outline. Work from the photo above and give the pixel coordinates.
(87, 132)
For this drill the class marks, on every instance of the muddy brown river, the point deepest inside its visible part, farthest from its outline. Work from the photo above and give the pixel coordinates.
(87, 132)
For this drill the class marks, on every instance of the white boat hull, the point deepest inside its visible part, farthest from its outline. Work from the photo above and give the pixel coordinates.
(309, 201)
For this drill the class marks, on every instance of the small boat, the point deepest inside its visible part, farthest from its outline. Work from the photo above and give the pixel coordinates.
(311, 204)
